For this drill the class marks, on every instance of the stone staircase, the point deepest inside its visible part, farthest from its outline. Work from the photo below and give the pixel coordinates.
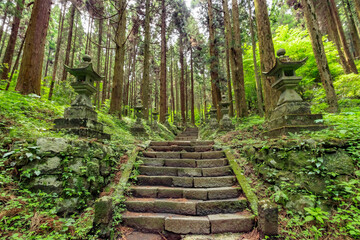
(187, 187)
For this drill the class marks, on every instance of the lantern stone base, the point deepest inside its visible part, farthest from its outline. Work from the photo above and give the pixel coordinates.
(293, 117)
(81, 120)
(76, 112)
(86, 132)
(139, 130)
(226, 124)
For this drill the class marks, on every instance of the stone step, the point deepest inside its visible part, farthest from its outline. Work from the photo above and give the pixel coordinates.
(180, 224)
(186, 206)
(188, 182)
(203, 163)
(199, 148)
(188, 193)
(185, 155)
(181, 143)
(185, 172)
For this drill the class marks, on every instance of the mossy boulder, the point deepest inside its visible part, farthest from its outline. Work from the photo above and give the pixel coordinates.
(339, 162)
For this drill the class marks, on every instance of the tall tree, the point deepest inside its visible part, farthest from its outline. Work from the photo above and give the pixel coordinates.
(9, 52)
(239, 88)
(319, 53)
(69, 40)
(214, 61)
(352, 28)
(29, 79)
(267, 55)
(348, 56)
(118, 79)
(146, 77)
(163, 98)
(192, 87)
(58, 47)
(257, 77)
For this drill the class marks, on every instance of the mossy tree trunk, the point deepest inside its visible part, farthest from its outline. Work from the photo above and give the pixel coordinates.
(29, 79)
(319, 53)
(267, 55)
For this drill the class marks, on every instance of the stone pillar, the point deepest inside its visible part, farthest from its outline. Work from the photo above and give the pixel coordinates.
(213, 123)
(225, 122)
(268, 218)
(155, 125)
(138, 128)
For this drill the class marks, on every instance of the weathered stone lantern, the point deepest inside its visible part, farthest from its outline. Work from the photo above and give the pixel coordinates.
(213, 123)
(225, 122)
(138, 128)
(155, 115)
(291, 114)
(81, 118)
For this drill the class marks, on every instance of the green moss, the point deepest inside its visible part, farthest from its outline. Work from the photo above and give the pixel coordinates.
(250, 195)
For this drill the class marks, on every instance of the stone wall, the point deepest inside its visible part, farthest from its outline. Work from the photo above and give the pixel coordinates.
(76, 170)
(304, 166)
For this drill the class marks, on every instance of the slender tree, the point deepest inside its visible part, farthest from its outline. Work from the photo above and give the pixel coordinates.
(146, 77)
(319, 53)
(267, 55)
(9, 52)
(58, 47)
(69, 40)
(163, 98)
(118, 79)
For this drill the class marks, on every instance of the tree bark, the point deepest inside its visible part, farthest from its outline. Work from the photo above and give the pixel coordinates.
(4, 19)
(357, 7)
(352, 28)
(74, 44)
(239, 88)
(29, 79)
(163, 98)
(68, 46)
(172, 84)
(341, 33)
(58, 47)
(16, 63)
(9, 52)
(118, 79)
(182, 80)
(214, 62)
(107, 60)
(146, 77)
(229, 55)
(192, 88)
(267, 55)
(319, 53)
(256, 71)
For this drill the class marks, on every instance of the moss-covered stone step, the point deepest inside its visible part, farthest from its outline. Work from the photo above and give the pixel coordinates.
(180, 224)
(188, 193)
(192, 163)
(184, 155)
(181, 143)
(185, 206)
(188, 182)
(198, 148)
(185, 172)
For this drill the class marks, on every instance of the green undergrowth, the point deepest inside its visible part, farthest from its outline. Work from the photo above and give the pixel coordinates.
(23, 119)
(333, 215)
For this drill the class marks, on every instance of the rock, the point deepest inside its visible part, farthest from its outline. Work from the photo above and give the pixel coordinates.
(339, 162)
(67, 206)
(298, 159)
(46, 183)
(93, 168)
(268, 218)
(185, 225)
(50, 144)
(78, 166)
(298, 202)
(103, 215)
(49, 166)
(316, 184)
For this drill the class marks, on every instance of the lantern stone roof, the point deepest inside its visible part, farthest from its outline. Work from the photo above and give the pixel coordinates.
(84, 69)
(284, 62)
